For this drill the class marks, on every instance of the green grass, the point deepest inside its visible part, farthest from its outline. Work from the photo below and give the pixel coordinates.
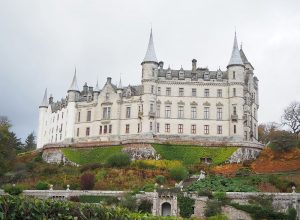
(192, 154)
(98, 199)
(92, 155)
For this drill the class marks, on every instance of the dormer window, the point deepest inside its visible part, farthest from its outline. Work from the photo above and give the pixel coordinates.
(206, 76)
(219, 75)
(181, 74)
(169, 74)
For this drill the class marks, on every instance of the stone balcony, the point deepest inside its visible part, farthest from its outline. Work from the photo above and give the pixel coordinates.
(152, 114)
(234, 117)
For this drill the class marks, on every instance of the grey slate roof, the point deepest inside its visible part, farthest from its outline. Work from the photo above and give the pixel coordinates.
(150, 54)
(235, 58)
(45, 100)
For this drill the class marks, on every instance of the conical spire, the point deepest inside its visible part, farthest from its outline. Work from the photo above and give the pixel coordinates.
(235, 58)
(150, 54)
(120, 84)
(45, 100)
(97, 87)
(243, 56)
(74, 86)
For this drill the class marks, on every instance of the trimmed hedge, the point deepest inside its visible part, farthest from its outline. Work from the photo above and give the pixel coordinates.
(12, 207)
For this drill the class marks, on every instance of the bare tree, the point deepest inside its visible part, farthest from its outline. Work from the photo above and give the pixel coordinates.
(291, 118)
(267, 131)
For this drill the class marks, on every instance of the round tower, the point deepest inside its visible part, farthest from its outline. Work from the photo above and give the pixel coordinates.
(42, 121)
(236, 79)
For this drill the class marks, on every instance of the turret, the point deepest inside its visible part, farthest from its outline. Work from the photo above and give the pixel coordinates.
(96, 91)
(73, 91)
(235, 67)
(150, 63)
(42, 116)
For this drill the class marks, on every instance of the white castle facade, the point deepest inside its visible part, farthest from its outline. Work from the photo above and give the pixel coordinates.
(192, 105)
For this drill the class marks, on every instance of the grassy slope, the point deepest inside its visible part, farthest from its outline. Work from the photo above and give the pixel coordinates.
(92, 155)
(192, 154)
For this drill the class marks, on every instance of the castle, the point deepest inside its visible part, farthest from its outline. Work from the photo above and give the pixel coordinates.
(196, 105)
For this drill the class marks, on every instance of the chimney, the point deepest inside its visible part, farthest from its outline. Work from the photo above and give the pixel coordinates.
(91, 89)
(194, 65)
(109, 80)
(161, 64)
(50, 99)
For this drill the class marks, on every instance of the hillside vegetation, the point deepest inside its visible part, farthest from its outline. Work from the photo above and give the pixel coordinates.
(192, 154)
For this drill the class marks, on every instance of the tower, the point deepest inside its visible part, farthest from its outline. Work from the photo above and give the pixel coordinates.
(73, 94)
(42, 118)
(149, 80)
(236, 78)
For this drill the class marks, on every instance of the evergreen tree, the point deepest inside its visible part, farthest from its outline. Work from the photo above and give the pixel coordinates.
(30, 142)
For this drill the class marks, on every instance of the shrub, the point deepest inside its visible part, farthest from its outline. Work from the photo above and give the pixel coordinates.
(149, 187)
(160, 179)
(212, 208)
(282, 184)
(74, 199)
(145, 206)
(243, 171)
(118, 160)
(178, 173)
(185, 205)
(129, 202)
(13, 189)
(291, 213)
(87, 181)
(91, 166)
(42, 186)
(205, 192)
(221, 197)
(283, 141)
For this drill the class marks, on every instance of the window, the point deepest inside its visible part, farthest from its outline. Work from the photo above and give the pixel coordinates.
(151, 107)
(167, 128)
(193, 129)
(62, 115)
(206, 92)
(181, 92)
(110, 129)
(151, 125)
(88, 116)
(234, 110)
(234, 91)
(158, 111)
(180, 112)
(234, 129)
(128, 109)
(157, 127)
(158, 90)
(233, 75)
(219, 113)
(206, 112)
(193, 112)
(107, 96)
(100, 130)
(245, 135)
(254, 132)
(194, 92)
(139, 128)
(78, 118)
(219, 93)
(152, 89)
(206, 129)
(127, 129)
(168, 91)
(180, 128)
(168, 112)
(106, 113)
(87, 131)
(105, 129)
(77, 132)
(219, 129)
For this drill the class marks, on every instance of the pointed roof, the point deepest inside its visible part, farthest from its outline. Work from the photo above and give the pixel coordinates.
(120, 84)
(243, 56)
(97, 87)
(235, 58)
(45, 100)
(150, 54)
(74, 86)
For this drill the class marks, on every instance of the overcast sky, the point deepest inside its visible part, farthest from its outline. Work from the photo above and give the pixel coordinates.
(41, 41)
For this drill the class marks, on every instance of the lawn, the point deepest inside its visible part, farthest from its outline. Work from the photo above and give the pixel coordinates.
(192, 154)
(92, 155)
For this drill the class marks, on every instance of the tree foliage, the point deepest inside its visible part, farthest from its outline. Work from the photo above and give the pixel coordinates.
(291, 117)
(30, 142)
